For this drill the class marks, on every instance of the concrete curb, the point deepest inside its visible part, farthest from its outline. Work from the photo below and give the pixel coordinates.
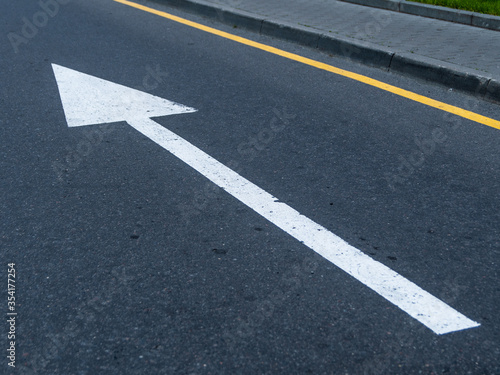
(436, 71)
(485, 21)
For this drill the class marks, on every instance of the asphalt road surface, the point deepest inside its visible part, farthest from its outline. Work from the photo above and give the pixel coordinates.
(129, 261)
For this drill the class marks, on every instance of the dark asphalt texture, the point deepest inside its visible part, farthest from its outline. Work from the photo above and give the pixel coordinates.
(130, 262)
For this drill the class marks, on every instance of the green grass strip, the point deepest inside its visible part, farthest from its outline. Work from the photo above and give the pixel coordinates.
(480, 6)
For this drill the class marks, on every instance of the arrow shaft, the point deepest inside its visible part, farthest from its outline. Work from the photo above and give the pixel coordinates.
(412, 299)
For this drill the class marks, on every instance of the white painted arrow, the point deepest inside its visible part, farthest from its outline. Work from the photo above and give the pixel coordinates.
(89, 100)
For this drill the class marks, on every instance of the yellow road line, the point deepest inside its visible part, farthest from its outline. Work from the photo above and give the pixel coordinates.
(345, 73)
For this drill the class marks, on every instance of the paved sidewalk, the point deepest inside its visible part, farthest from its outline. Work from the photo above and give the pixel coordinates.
(429, 48)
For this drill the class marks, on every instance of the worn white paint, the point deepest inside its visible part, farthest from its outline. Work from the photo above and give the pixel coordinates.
(89, 100)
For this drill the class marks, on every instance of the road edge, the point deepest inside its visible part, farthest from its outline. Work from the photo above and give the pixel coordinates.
(431, 70)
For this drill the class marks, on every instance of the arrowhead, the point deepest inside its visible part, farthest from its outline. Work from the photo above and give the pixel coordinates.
(89, 100)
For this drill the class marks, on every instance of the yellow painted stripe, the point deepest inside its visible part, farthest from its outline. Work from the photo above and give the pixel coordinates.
(345, 73)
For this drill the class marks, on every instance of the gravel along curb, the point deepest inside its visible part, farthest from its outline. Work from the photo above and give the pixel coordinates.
(485, 21)
(449, 75)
